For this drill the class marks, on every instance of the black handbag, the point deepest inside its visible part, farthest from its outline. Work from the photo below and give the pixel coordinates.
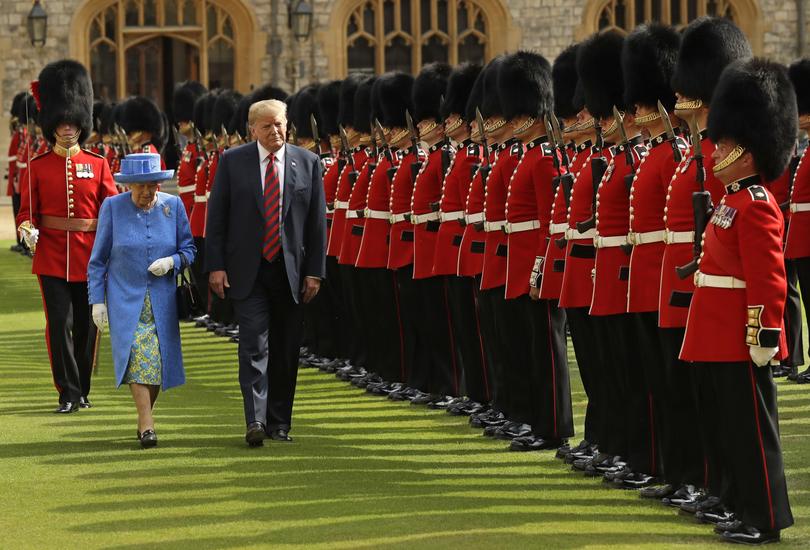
(187, 298)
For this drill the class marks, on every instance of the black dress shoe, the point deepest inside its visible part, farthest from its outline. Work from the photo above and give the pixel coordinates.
(84, 403)
(443, 403)
(425, 398)
(484, 418)
(702, 503)
(255, 434)
(715, 516)
(67, 407)
(148, 439)
(280, 435)
(803, 378)
(780, 371)
(508, 432)
(751, 536)
(638, 480)
(657, 491)
(684, 495)
(534, 443)
(731, 526)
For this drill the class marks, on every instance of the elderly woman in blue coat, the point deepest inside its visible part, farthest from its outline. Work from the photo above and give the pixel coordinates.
(143, 237)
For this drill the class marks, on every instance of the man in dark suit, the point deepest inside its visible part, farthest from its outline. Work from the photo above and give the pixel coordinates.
(266, 248)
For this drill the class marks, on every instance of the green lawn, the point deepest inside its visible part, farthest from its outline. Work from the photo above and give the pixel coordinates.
(363, 472)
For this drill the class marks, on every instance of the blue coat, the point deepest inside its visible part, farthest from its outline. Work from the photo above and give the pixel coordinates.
(128, 240)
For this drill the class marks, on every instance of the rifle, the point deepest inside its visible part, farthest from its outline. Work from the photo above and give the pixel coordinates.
(555, 183)
(313, 124)
(628, 159)
(176, 139)
(792, 166)
(599, 165)
(375, 147)
(676, 151)
(344, 143)
(392, 170)
(415, 165)
(485, 168)
(701, 203)
(565, 179)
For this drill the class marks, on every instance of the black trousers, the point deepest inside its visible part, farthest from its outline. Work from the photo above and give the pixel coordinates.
(748, 430)
(414, 354)
(589, 356)
(352, 290)
(70, 335)
(379, 312)
(199, 274)
(552, 416)
(15, 209)
(221, 309)
(793, 314)
(320, 324)
(715, 477)
(611, 332)
(270, 329)
(493, 317)
(639, 358)
(802, 268)
(682, 449)
(470, 351)
(435, 334)
(649, 352)
(341, 324)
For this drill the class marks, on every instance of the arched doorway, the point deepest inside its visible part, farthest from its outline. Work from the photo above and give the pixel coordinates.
(144, 46)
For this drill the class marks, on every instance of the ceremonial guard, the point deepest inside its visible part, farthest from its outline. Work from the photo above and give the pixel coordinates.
(735, 323)
(19, 132)
(538, 331)
(145, 126)
(60, 201)
(462, 292)
(185, 95)
(797, 243)
(696, 74)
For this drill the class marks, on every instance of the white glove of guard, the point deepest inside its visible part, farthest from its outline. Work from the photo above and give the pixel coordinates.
(761, 356)
(100, 315)
(161, 266)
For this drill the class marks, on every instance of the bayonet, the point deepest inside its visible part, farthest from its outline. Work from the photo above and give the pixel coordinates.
(344, 142)
(415, 165)
(479, 119)
(599, 166)
(558, 133)
(313, 124)
(670, 131)
(702, 207)
(176, 138)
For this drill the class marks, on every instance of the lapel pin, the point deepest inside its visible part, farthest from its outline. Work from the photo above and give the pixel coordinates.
(167, 211)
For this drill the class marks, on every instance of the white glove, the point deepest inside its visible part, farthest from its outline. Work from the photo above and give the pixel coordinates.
(29, 234)
(100, 315)
(161, 266)
(761, 356)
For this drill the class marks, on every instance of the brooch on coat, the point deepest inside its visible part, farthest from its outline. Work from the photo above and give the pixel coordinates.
(167, 211)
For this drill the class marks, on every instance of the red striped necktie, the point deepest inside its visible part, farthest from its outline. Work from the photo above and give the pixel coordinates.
(271, 245)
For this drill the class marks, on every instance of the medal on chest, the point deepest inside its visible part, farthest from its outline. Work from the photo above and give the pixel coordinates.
(84, 171)
(723, 216)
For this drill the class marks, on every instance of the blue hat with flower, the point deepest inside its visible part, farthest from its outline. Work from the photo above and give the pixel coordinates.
(142, 168)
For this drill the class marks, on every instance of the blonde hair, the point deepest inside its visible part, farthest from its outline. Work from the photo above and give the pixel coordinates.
(267, 107)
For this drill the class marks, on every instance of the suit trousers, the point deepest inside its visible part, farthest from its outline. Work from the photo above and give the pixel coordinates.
(379, 313)
(681, 448)
(490, 304)
(793, 309)
(748, 430)
(200, 276)
(589, 360)
(71, 336)
(320, 325)
(270, 330)
(470, 355)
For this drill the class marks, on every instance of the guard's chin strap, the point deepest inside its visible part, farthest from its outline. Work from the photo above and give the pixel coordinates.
(730, 159)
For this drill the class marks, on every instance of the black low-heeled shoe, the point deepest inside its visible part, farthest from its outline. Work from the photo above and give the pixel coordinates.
(148, 439)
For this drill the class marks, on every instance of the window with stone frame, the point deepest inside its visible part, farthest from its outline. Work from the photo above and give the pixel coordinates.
(404, 35)
(625, 15)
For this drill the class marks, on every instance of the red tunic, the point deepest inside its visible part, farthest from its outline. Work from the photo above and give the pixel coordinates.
(354, 226)
(648, 197)
(611, 268)
(471, 251)
(454, 197)
(71, 188)
(374, 245)
(427, 192)
(13, 148)
(528, 213)
(344, 191)
(400, 251)
(797, 244)
(186, 172)
(493, 273)
(554, 263)
(198, 212)
(743, 240)
(679, 217)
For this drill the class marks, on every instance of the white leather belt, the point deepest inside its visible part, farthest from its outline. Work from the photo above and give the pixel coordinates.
(573, 234)
(186, 188)
(341, 205)
(519, 227)
(451, 216)
(609, 242)
(557, 228)
(423, 218)
(11, 158)
(396, 218)
(329, 209)
(207, 195)
(646, 237)
(494, 226)
(377, 214)
(718, 281)
(678, 237)
(794, 206)
(22, 164)
(200, 198)
(474, 218)
(352, 215)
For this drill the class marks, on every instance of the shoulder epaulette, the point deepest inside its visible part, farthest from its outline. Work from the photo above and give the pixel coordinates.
(548, 149)
(682, 145)
(89, 152)
(40, 155)
(473, 150)
(758, 193)
(517, 148)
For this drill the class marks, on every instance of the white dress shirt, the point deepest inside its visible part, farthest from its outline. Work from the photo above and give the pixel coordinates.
(264, 160)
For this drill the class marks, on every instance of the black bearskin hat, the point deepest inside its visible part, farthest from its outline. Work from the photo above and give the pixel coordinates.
(754, 104)
(26, 108)
(648, 61)
(185, 95)
(238, 122)
(64, 94)
(599, 66)
(491, 103)
(204, 112)
(524, 85)
(348, 88)
(268, 92)
(142, 114)
(476, 98)
(459, 86)
(564, 78)
(14, 111)
(306, 104)
(290, 102)
(428, 88)
(328, 106)
(708, 44)
(799, 73)
(98, 112)
(224, 109)
(105, 122)
(396, 98)
(363, 105)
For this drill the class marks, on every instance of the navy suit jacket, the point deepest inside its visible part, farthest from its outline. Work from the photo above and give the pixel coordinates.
(233, 233)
